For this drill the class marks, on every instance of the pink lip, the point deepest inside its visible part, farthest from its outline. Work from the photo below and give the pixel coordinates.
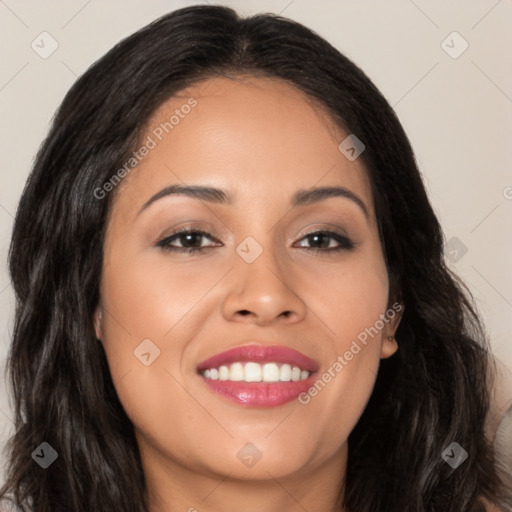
(260, 394)
(259, 354)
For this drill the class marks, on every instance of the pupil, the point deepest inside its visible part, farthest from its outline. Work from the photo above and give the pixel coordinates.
(190, 238)
(314, 239)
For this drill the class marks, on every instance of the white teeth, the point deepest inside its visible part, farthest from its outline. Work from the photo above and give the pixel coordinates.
(252, 372)
(295, 373)
(285, 373)
(236, 372)
(255, 372)
(223, 373)
(270, 372)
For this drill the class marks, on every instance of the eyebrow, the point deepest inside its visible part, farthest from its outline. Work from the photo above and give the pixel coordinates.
(219, 196)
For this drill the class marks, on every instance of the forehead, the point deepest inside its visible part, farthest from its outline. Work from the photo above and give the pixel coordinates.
(246, 134)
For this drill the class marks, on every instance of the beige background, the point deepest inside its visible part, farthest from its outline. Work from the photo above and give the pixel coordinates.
(456, 111)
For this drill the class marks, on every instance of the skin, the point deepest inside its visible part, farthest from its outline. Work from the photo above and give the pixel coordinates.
(261, 140)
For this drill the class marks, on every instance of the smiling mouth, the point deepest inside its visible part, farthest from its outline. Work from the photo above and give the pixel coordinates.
(258, 376)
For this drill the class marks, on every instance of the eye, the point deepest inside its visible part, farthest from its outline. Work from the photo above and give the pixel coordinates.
(189, 240)
(328, 241)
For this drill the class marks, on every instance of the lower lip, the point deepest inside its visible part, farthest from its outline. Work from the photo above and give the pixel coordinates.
(259, 394)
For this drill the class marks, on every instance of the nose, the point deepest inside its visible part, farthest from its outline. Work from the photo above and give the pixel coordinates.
(262, 292)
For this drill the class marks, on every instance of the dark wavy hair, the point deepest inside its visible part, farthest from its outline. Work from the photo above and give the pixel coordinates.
(432, 392)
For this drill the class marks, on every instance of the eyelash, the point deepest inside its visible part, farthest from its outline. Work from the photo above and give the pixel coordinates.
(345, 244)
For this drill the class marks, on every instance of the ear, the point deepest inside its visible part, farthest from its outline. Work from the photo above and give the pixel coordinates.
(97, 323)
(389, 343)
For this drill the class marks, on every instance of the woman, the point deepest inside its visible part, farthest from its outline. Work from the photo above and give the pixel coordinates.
(232, 293)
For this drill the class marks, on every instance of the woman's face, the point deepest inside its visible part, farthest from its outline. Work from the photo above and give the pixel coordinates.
(261, 278)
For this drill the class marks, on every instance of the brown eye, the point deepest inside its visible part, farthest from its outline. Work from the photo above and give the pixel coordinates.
(326, 241)
(189, 240)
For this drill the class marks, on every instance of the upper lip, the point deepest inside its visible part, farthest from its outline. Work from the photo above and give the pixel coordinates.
(260, 354)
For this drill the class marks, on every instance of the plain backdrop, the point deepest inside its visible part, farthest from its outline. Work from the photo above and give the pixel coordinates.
(451, 91)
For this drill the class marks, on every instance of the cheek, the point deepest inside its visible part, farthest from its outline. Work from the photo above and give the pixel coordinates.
(349, 296)
(357, 305)
(149, 294)
(351, 303)
(155, 307)
(146, 311)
